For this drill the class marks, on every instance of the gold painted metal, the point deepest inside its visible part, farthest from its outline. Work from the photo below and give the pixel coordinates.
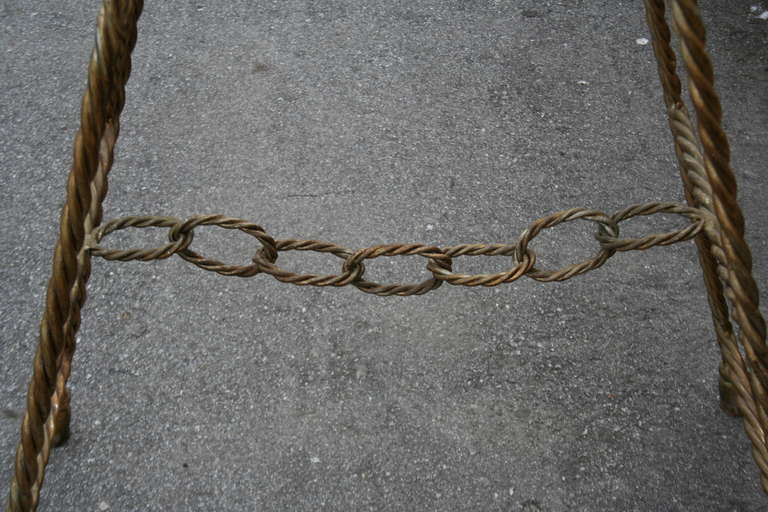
(181, 234)
(715, 221)
(47, 416)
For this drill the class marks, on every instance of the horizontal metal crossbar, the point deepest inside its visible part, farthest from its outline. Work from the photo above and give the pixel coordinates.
(440, 259)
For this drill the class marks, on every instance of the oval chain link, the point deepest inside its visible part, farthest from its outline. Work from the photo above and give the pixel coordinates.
(606, 224)
(435, 255)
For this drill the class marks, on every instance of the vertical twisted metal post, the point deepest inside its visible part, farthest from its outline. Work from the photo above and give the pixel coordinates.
(734, 261)
(46, 421)
(698, 194)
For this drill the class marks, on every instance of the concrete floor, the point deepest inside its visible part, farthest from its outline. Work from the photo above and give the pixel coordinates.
(362, 123)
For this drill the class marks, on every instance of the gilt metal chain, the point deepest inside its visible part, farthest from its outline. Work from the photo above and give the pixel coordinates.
(439, 260)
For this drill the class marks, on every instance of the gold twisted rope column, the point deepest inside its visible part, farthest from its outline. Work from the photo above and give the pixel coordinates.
(698, 193)
(46, 420)
(744, 383)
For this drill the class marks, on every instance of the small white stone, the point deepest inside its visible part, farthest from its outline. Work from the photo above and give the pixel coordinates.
(764, 16)
(103, 506)
(430, 227)
(641, 41)
(511, 491)
(314, 460)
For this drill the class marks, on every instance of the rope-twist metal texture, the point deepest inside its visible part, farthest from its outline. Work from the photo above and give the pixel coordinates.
(46, 420)
(439, 260)
(715, 221)
(724, 254)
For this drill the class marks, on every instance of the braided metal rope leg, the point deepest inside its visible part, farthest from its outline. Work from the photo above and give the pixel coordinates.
(46, 420)
(744, 379)
(698, 194)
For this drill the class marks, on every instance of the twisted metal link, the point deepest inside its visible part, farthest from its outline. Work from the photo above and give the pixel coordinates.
(519, 270)
(343, 279)
(435, 255)
(440, 260)
(607, 226)
(181, 231)
(159, 253)
(695, 215)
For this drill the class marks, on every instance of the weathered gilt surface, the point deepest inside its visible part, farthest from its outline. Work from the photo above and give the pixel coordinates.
(439, 130)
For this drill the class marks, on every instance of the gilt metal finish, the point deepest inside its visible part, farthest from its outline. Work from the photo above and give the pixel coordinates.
(440, 260)
(46, 420)
(714, 220)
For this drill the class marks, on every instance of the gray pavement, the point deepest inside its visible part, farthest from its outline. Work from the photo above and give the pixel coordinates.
(362, 123)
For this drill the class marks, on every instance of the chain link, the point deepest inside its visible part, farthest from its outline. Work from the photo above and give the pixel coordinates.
(439, 260)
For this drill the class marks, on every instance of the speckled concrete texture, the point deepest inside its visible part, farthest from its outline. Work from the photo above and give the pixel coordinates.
(362, 123)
